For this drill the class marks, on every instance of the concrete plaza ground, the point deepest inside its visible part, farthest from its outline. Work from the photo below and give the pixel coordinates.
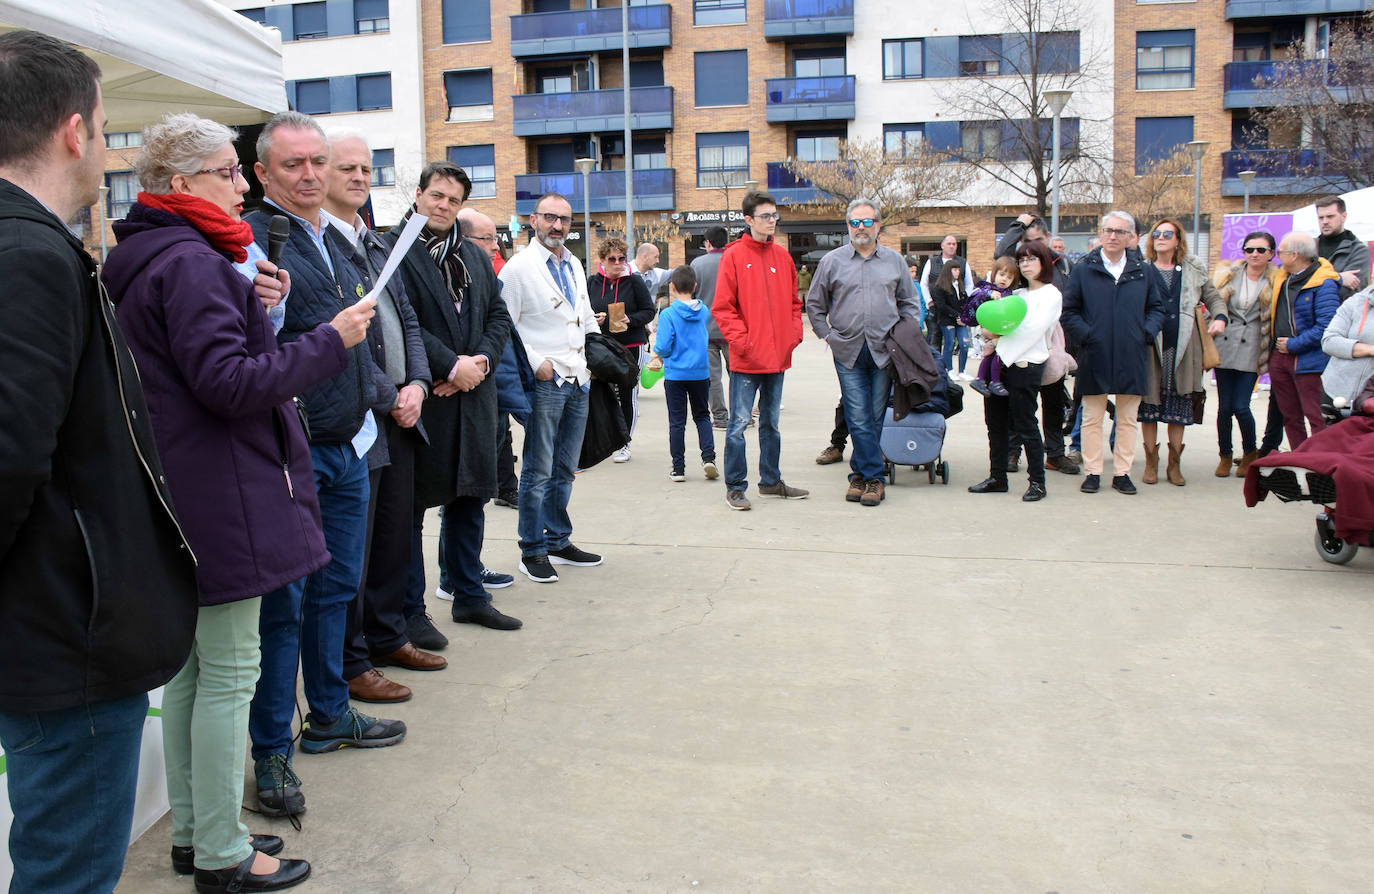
(1160, 693)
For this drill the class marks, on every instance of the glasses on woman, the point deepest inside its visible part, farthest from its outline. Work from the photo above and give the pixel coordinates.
(1257, 249)
(614, 259)
(1163, 234)
(1024, 258)
(230, 172)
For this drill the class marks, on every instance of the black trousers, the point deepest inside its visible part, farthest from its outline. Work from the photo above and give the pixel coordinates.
(1054, 400)
(376, 617)
(1015, 413)
(840, 434)
(1273, 427)
(507, 480)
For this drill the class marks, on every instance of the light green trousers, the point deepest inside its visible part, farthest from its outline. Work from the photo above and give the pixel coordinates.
(205, 733)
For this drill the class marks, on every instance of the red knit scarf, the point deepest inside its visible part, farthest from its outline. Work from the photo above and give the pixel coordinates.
(224, 232)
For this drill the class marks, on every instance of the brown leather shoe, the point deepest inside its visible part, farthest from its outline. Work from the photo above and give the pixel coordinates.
(856, 488)
(377, 689)
(412, 658)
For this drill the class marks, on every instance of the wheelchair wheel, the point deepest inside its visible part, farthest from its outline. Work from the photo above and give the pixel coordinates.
(1332, 548)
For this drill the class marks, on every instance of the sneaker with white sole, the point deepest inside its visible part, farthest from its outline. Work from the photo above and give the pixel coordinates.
(622, 455)
(443, 594)
(538, 569)
(571, 555)
(496, 580)
(709, 469)
(784, 490)
(677, 475)
(736, 500)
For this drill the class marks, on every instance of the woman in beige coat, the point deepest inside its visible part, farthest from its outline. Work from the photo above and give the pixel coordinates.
(1247, 286)
(1175, 371)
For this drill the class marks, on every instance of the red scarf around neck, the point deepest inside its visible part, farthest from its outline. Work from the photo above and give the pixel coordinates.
(224, 232)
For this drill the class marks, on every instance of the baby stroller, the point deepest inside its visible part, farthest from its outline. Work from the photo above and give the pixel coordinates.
(917, 439)
(1338, 458)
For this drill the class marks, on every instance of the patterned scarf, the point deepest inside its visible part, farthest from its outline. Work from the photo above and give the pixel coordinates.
(443, 249)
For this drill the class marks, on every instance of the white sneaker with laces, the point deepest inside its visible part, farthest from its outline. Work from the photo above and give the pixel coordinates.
(622, 455)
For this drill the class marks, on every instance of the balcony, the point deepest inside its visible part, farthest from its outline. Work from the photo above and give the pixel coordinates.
(1279, 172)
(810, 99)
(1259, 9)
(653, 190)
(1244, 84)
(806, 19)
(588, 31)
(788, 188)
(590, 111)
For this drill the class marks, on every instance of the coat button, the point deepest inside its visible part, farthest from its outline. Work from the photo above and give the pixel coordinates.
(133, 414)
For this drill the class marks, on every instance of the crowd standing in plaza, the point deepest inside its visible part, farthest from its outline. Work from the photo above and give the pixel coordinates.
(240, 428)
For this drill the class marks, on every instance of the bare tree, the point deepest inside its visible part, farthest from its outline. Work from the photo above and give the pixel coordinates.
(1006, 129)
(1163, 189)
(1320, 109)
(900, 182)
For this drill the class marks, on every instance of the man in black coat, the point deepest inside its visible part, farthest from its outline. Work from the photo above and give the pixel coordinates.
(1113, 311)
(465, 328)
(97, 583)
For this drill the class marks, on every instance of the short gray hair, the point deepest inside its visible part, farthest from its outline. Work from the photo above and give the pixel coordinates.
(861, 201)
(339, 134)
(178, 144)
(289, 120)
(1120, 215)
(1302, 243)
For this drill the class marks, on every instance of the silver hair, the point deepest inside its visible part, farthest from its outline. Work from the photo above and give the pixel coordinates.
(290, 120)
(860, 201)
(1302, 243)
(178, 144)
(338, 134)
(1119, 215)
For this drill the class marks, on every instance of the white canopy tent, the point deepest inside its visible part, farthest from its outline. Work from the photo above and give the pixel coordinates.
(159, 56)
(1359, 209)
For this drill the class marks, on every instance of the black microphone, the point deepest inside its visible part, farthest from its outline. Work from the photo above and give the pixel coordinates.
(277, 232)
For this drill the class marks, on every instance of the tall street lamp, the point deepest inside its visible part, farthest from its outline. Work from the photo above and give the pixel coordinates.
(1056, 99)
(629, 137)
(1197, 149)
(1246, 179)
(584, 167)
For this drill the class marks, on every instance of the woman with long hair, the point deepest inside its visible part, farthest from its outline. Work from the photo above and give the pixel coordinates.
(948, 295)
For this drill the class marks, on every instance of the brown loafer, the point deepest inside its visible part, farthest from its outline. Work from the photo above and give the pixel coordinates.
(377, 689)
(412, 658)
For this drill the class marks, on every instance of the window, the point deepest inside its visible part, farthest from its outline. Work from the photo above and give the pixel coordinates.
(1158, 138)
(817, 63)
(124, 140)
(383, 167)
(722, 159)
(903, 139)
(818, 145)
(1163, 60)
(646, 72)
(1251, 46)
(258, 15)
(717, 12)
(650, 152)
(555, 81)
(123, 193)
(466, 21)
(903, 59)
(312, 97)
(980, 139)
(722, 79)
(371, 16)
(309, 20)
(469, 95)
(1058, 52)
(980, 54)
(374, 91)
(479, 163)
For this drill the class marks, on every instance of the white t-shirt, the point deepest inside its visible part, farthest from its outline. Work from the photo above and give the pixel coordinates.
(1030, 342)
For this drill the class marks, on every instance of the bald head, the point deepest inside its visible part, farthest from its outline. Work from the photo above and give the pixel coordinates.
(480, 229)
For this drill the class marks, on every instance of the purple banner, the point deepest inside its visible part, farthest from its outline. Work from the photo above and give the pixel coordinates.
(1236, 226)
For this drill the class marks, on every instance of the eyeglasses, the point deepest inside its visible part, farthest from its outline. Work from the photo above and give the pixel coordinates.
(483, 238)
(767, 215)
(1163, 234)
(1113, 231)
(1256, 249)
(614, 259)
(231, 173)
(552, 219)
(1024, 258)
(857, 222)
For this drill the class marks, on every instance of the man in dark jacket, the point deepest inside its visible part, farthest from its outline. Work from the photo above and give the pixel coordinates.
(717, 351)
(1029, 228)
(1303, 306)
(1113, 311)
(465, 327)
(97, 583)
(1348, 254)
(306, 624)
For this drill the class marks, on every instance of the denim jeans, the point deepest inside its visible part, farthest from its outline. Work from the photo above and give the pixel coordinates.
(743, 388)
(864, 390)
(462, 528)
(677, 394)
(953, 334)
(308, 618)
(553, 445)
(72, 776)
(1234, 389)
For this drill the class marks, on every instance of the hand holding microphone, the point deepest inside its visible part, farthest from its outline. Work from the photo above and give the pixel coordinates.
(272, 283)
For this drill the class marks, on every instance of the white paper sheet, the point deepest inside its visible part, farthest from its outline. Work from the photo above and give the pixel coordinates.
(408, 236)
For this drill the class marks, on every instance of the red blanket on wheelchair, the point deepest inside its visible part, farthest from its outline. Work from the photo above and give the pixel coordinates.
(1345, 451)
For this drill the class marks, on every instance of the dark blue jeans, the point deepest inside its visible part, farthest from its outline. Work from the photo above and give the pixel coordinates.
(462, 528)
(1234, 389)
(743, 388)
(677, 394)
(955, 335)
(864, 390)
(553, 445)
(72, 776)
(310, 616)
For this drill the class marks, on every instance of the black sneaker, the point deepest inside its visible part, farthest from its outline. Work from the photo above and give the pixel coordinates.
(353, 730)
(421, 631)
(989, 486)
(279, 788)
(571, 555)
(1034, 493)
(508, 498)
(495, 580)
(1091, 484)
(538, 569)
(486, 616)
(1123, 484)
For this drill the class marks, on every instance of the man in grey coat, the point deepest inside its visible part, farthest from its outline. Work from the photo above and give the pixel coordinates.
(717, 351)
(1348, 254)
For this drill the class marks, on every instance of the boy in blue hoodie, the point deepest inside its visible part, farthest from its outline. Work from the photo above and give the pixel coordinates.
(681, 342)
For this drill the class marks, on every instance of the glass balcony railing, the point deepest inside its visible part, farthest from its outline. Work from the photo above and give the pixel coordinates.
(653, 188)
(585, 111)
(1272, 162)
(788, 188)
(589, 30)
(783, 19)
(810, 99)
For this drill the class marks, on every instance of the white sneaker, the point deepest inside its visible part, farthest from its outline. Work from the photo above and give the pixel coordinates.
(622, 455)
(443, 594)
(710, 471)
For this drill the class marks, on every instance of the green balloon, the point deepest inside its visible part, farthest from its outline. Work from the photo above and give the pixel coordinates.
(1003, 315)
(649, 377)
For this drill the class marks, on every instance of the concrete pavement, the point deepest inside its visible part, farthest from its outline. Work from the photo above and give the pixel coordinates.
(1165, 692)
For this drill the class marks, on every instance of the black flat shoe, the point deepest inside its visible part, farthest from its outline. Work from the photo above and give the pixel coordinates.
(233, 879)
(988, 486)
(1034, 493)
(184, 858)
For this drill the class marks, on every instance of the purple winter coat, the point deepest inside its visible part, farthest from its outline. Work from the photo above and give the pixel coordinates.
(219, 392)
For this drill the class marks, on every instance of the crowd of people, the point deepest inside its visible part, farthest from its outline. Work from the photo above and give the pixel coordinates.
(239, 427)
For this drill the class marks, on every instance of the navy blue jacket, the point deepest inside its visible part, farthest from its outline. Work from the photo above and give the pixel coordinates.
(1114, 324)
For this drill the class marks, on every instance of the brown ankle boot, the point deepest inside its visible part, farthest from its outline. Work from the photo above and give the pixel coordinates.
(1172, 471)
(1245, 461)
(1151, 475)
(1224, 466)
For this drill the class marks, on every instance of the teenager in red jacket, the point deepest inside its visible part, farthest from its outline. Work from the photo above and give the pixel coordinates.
(759, 314)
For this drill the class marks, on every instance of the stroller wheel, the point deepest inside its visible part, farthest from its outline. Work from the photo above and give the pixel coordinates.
(944, 472)
(1330, 547)
(930, 470)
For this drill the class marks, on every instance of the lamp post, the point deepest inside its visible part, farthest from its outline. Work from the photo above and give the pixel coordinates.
(1056, 99)
(629, 138)
(1246, 179)
(584, 167)
(1197, 149)
(104, 191)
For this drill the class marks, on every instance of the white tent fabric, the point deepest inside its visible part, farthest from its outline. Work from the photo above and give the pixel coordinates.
(1359, 209)
(158, 56)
